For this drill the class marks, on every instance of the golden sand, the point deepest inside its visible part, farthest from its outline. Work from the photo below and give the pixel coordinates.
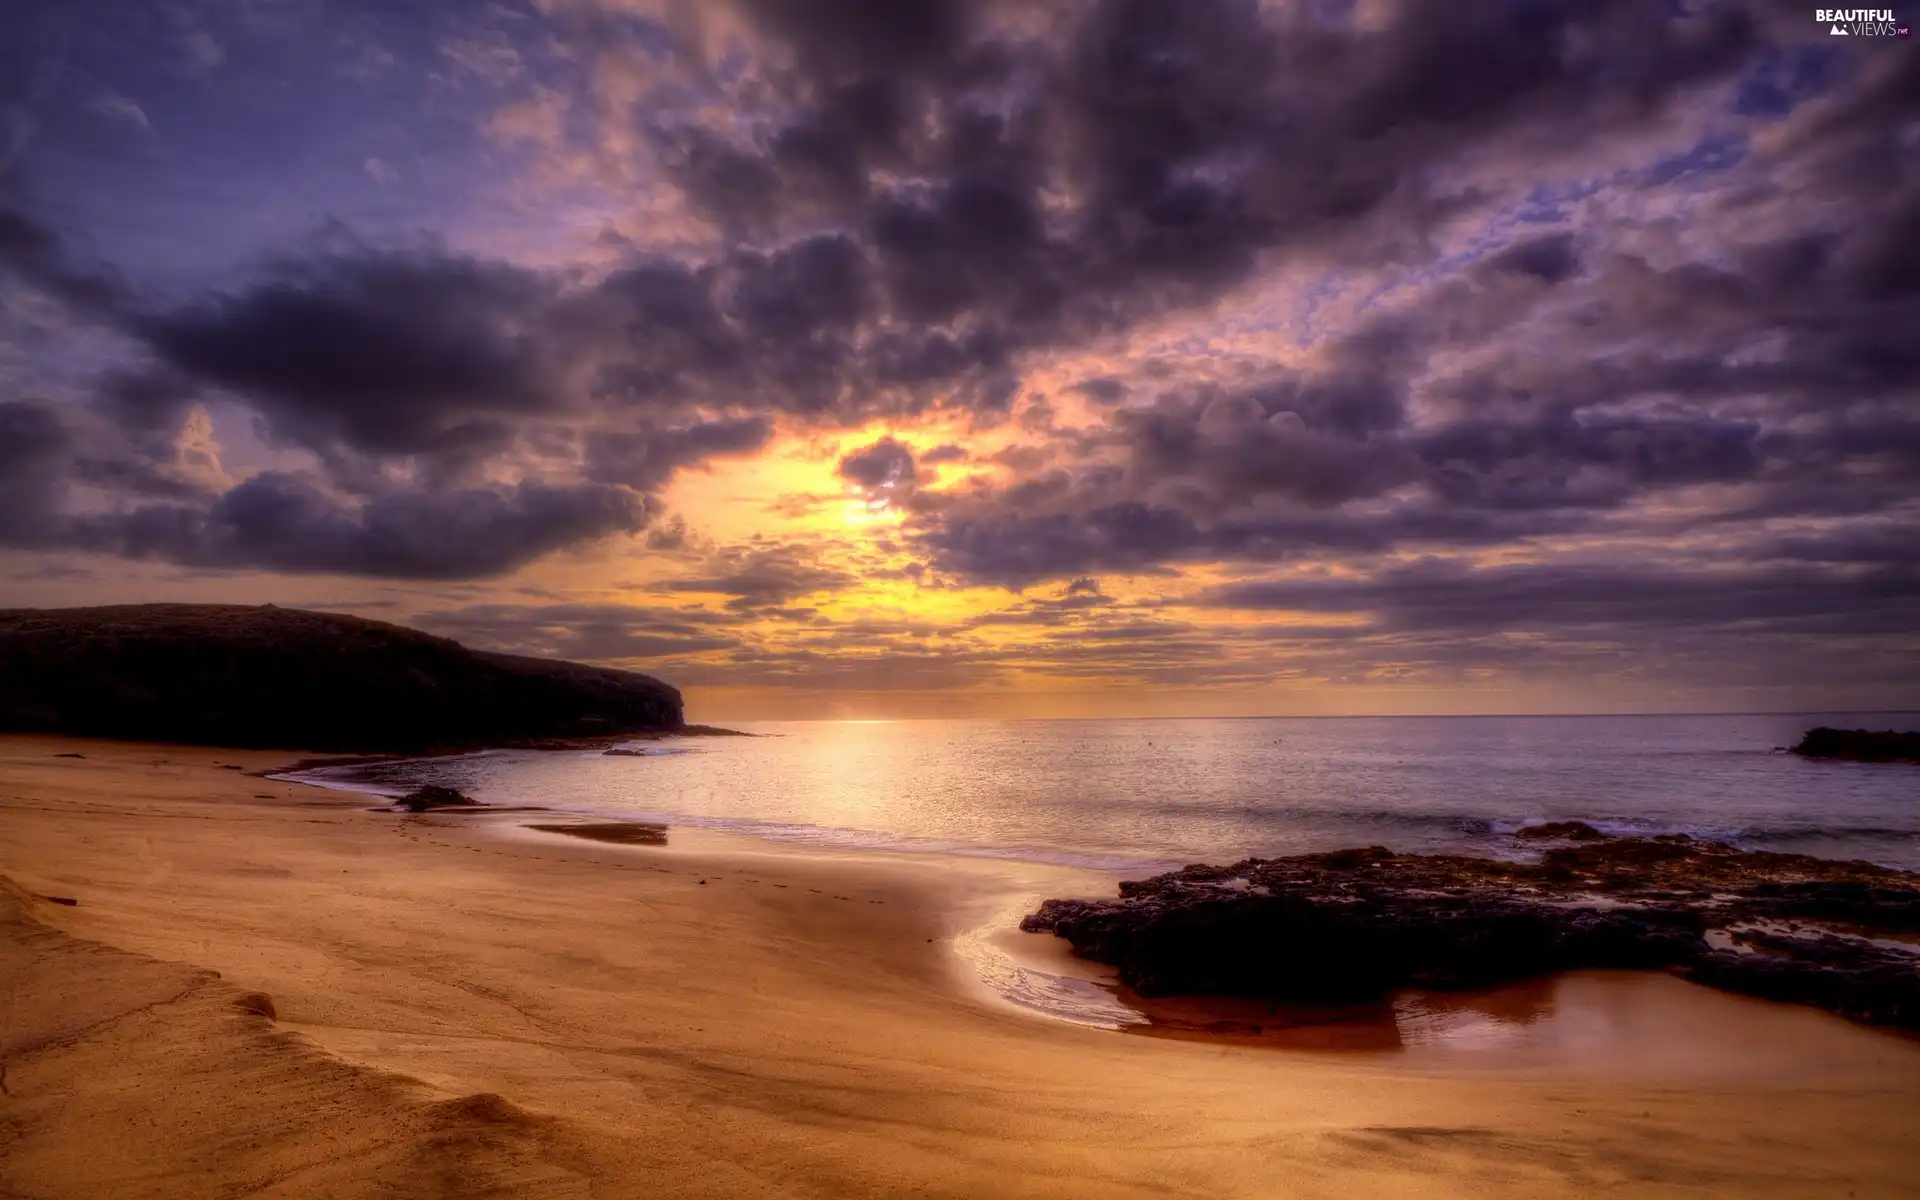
(268, 990)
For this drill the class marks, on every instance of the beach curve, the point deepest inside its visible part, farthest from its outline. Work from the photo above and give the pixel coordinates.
(790, 1026)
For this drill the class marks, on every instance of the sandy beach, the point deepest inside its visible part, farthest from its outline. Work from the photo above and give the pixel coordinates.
(262, 988)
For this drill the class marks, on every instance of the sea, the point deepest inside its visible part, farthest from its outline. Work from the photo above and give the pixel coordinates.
(1136, 796)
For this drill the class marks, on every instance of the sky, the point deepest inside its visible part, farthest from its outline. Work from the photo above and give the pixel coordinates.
(878, 358)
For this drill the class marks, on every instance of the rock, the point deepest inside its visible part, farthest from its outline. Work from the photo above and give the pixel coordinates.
(1568, 831)
(257, 1003)
(1858, 980)
(617, 752)
(1358, 924)
(1860, 745)
(431, 796)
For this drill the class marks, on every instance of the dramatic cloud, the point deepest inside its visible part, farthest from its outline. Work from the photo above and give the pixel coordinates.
(391, 353)
(288, 523)
(605, 633)
(1373, 341)
(885, 471)
(1439, 596)
(757, 578)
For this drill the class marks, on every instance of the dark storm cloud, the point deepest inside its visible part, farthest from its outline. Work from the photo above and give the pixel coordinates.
(885, 467)
(33, 252)
(1016, 550)
(287, 523)
(397, 352)
(584, 631)
(1270, 473)
(33, 442)
(1438, 596)
(646, 459)
(1586, 389)
(867, 36)
(759, 577)
(145, 401)
(394, 353)
(50, 453)
(1550, 259)
(1023, 178)
(912, 204)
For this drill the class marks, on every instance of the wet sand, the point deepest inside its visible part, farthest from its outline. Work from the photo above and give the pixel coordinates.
(461, 1006)
(619, 833)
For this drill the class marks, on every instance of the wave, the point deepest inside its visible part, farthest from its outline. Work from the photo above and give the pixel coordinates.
(831, 837)
(1792, 833)
(1507, 826)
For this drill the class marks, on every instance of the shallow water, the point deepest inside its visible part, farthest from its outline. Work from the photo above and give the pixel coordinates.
(1137, 795)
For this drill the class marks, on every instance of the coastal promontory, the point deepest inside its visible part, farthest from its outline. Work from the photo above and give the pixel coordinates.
(234, 675)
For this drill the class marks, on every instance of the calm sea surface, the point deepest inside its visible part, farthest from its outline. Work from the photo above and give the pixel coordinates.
(1128, 795)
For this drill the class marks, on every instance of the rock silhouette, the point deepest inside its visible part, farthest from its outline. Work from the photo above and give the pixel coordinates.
(1357, 924)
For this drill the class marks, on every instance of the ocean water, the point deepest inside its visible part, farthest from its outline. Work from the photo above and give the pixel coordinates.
(1138, 795)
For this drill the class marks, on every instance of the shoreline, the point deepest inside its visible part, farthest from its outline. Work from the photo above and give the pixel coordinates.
(595, 741)
(460, 1006)
(831, 840)
(1056, 983)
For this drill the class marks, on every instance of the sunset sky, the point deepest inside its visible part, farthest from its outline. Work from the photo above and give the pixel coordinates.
(866, 358)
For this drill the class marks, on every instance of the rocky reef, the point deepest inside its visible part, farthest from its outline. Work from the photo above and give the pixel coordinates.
(431, 796)
(1860, 745)
(231, 675)
(1359, 924)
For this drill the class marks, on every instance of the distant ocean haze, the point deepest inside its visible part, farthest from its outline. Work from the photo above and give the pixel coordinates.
(1133, 795)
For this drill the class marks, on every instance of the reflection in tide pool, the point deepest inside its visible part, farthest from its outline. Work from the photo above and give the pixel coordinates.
(1611, 1022)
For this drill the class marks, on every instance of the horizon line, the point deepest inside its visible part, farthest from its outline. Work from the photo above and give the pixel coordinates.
(1810, 712)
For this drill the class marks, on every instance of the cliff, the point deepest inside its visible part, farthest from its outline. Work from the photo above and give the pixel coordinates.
(232, 675)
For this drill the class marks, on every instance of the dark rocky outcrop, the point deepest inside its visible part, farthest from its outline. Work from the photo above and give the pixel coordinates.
(1571, 831)
(240, 676)
(430, 796)
(1358, 924)
(1860, 745)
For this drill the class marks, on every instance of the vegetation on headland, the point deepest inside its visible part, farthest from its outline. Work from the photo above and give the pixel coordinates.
(234, 675)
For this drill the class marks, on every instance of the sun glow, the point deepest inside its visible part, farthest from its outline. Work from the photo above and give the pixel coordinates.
(862, 513)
